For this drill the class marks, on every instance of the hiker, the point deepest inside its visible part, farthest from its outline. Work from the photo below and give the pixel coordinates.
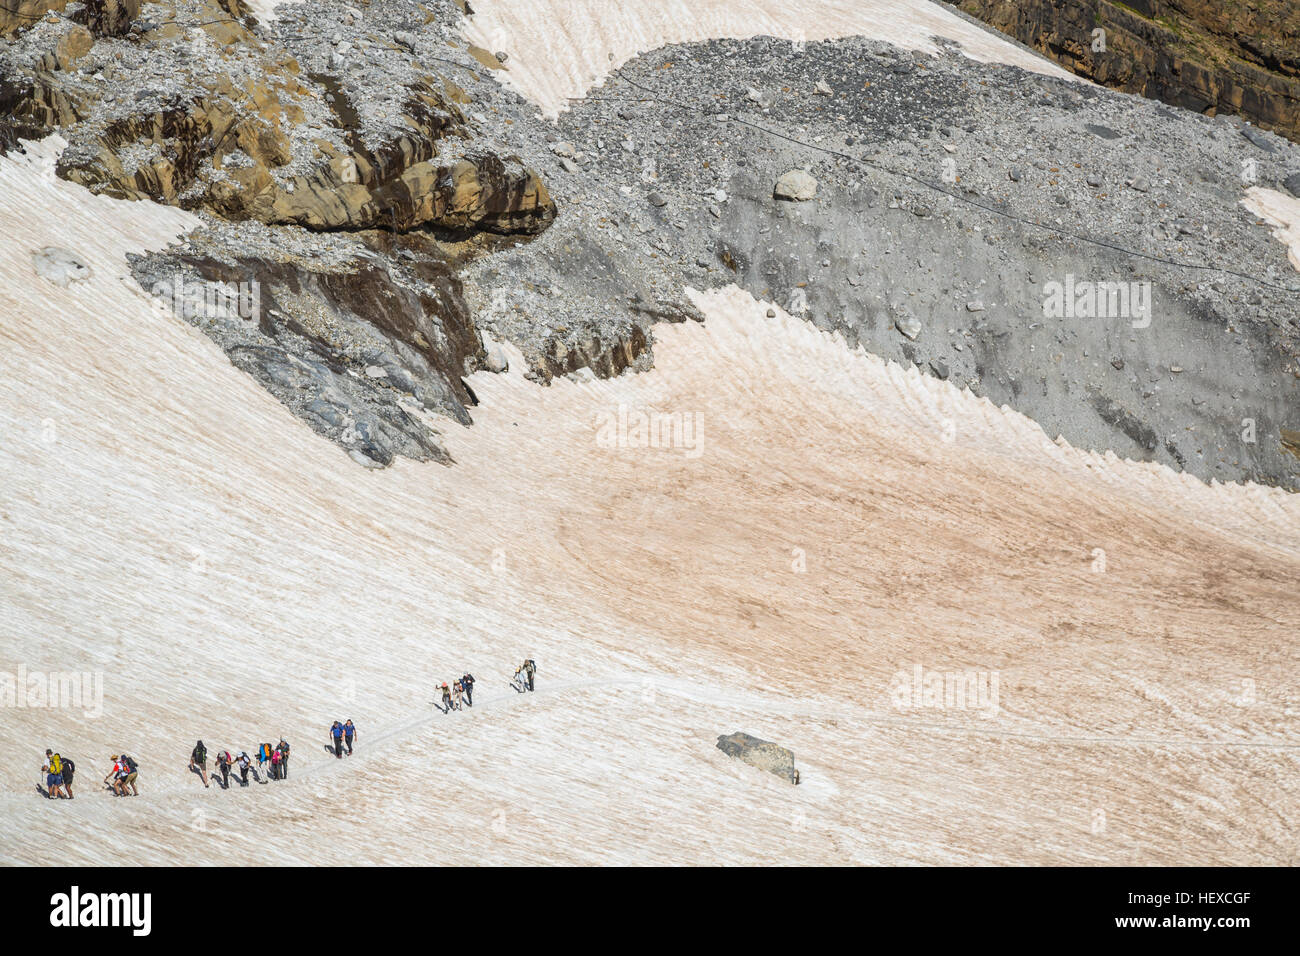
(529, 668)
(467, 682)
(245, 765)
(117, 775)
(111, 779)
(263, 758)
(132, 770)
(68, 769)
(224, 761)
(336, 731)
(53, 770)
(284, 759)
(277, 755)
(457, 693)
(199, 762)
(349, 732)
(446, 698)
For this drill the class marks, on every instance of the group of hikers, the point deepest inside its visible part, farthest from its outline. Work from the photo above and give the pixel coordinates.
(524, 675)
(342, 735)
(273, 761)
(60, 771)
(461, 692)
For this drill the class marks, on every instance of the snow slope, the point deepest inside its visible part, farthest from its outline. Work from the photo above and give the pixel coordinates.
(232, 576)
(558, 49)
(1280, 211)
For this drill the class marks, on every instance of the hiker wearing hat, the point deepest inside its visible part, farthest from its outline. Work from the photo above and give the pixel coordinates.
(446, 698)
(116, 778)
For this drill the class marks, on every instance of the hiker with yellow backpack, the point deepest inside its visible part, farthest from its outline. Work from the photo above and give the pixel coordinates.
(53, 770)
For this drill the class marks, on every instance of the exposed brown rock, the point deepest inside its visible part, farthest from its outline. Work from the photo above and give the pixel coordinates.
(17, 15)
(1204, 55)
(1291, 441)
(112, 18)
(72, 46)
(398, 185)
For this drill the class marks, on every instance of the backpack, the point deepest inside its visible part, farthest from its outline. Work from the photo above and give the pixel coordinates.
(56, 765)
(276, 756)
(200, 753)
(263, 753)
(130, 764)
(69, 768)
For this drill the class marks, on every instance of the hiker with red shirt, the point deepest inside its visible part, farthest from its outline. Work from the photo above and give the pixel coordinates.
(116, 778)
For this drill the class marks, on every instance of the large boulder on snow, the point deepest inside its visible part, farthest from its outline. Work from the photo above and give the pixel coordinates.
(762, 754)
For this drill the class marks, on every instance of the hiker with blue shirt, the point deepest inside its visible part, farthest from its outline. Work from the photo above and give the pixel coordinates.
(336, 731)
(349, 732)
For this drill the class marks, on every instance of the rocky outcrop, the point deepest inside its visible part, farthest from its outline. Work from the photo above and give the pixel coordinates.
(1203, 55)
(762, 754)
(301, 164)
(361, 350)
(17, 15)
(231, 140)
(101, 17)
(210, 153)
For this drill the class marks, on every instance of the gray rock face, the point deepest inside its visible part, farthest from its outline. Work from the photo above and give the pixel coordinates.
(762, 754)
(849, 260)
(795, 186)
(655, 201)
(360, 349)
